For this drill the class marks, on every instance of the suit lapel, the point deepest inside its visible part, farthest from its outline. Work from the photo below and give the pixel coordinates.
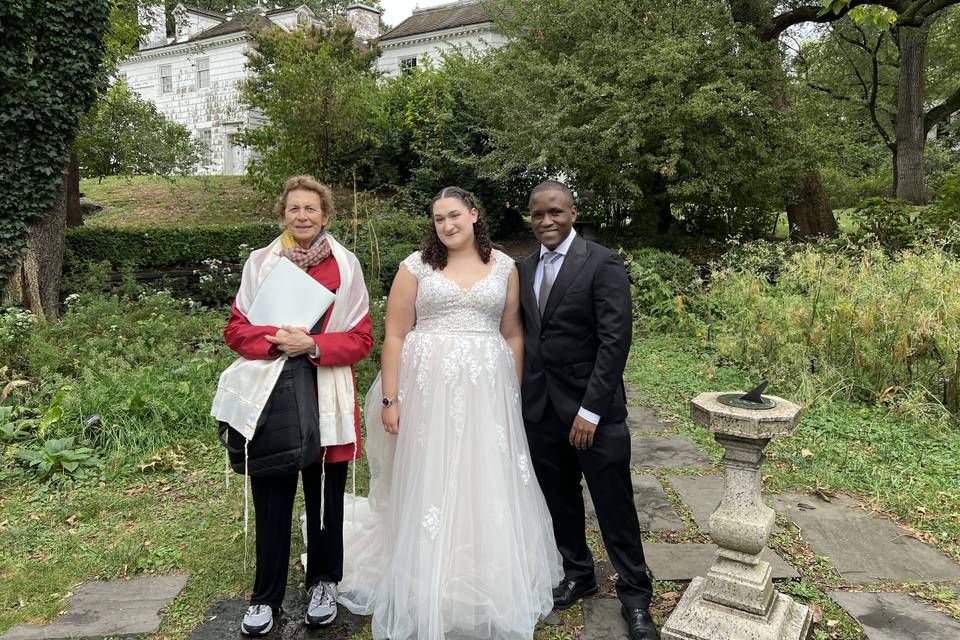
(528, 300)
(572, 264)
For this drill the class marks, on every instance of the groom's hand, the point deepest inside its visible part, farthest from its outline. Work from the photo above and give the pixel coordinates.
(581, 436)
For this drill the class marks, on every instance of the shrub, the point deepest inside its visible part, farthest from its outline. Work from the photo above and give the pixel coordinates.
(870, 326)
(161, 247)
(663, 286)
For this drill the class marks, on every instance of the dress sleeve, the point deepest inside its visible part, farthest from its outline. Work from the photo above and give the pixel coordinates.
(414, 264)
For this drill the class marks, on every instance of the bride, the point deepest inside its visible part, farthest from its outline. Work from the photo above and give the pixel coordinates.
(455, 540)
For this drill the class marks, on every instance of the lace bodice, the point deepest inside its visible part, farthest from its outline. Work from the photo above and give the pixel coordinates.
(444, 306)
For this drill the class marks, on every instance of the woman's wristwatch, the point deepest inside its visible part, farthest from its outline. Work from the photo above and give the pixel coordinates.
(388, 402)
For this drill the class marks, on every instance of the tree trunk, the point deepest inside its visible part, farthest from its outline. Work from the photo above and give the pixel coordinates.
(36, 281)
(908, 160)
(808, 212)
(74, 215)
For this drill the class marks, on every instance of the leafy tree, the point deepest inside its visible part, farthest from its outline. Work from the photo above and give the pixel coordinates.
(126, 135)
(856, 62)
(654, 108)
(432, 125)
(912, 25)
(50, 54)
(315, 87)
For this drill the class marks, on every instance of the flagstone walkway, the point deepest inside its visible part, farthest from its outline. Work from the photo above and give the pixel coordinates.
(867, 551)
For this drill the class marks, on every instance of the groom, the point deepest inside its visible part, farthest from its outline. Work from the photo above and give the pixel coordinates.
(577, 330)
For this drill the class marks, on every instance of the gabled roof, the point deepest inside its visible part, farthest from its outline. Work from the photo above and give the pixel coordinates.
(216, 15)
(237, 24)
(274, 12)
(446, 16)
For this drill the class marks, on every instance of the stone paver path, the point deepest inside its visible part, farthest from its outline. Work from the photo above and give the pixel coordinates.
(684, 562)
(654, 509)
(700, 495)
(666, 452)
(864, 547)
(897, 616)
(646, 420)
(101, 609)
(602, 620)
(222, 621)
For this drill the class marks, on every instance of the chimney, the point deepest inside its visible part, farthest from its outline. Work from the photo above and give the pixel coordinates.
(364, 20)
(153, 15)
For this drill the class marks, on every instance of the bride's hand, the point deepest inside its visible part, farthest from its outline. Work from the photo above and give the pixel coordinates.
(391, 419)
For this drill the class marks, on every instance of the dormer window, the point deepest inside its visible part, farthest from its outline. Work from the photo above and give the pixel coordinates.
(408, 64)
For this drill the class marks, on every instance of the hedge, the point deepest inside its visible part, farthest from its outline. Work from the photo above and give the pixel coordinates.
(162, 247)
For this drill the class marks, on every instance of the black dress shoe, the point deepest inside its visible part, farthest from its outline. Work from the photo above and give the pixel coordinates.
(569, 591)
(639, 624)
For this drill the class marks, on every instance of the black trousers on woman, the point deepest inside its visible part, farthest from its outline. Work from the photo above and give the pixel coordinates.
(293, 400)
(273, 501)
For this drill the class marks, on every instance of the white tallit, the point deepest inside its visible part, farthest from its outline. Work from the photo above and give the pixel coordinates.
(245, 385)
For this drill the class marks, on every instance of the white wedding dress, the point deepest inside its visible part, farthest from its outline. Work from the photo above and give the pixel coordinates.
(455, 540)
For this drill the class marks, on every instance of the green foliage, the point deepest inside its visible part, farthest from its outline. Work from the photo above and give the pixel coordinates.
(49, 56)
(145, 368)
(663, 288)
(315, 87)
(897, 224)
(58, 456)
(15, 327)
(218, 284)
(161, 247)
(867, 326)
(126, 135)
(947, 205)
(643, 105)
(432, 127)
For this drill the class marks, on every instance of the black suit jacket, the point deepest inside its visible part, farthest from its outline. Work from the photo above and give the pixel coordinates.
(576, 353)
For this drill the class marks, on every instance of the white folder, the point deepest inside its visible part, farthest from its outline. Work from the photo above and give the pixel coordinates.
(288, 296)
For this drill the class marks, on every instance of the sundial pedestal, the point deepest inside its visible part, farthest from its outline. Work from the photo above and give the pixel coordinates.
(737, 600)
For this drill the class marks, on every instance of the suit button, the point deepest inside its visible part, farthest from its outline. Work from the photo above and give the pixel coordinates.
(542, 337)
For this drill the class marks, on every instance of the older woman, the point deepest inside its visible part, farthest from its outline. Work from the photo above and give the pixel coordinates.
(309, 376)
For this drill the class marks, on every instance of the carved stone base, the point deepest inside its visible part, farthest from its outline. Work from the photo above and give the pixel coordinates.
(696, 618)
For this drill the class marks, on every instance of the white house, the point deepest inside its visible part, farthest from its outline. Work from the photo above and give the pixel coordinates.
(432, 30)
(193, 75)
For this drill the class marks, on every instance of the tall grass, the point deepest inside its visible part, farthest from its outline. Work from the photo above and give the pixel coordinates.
(864, 325)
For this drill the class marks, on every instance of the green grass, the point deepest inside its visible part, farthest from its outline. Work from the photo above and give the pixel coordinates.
(180, 201)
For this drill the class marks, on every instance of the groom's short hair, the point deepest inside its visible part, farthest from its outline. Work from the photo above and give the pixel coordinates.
(552, 185)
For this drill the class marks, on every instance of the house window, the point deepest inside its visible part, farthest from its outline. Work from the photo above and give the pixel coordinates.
(408, 64)
(166, 78)
(203, 73)
(121, 76)
(206, 139)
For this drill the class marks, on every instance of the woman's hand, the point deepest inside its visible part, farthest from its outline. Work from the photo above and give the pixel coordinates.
(293, 341)
(391, 419)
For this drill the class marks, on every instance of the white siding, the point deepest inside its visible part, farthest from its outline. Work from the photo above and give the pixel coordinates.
(216, 108)
(429, 45)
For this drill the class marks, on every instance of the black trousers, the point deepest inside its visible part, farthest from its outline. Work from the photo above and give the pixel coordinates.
(273, 501)
(606, 468)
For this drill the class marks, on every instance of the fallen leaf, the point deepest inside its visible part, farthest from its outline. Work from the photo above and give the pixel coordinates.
(806, 453)
(817, 611)
(72, 519)
(832, 623)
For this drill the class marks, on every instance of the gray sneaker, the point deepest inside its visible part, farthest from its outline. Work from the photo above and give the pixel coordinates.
(257, 621)
(322, 609)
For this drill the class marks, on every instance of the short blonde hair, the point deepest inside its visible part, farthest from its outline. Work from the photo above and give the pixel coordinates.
(308, 183)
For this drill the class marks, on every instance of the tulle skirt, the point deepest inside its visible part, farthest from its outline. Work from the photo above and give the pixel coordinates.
(455, 540)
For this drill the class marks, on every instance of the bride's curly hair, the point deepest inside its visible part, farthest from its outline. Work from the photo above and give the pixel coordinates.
(434, 252)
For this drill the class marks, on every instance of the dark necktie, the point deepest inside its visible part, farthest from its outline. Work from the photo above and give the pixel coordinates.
(549, 275)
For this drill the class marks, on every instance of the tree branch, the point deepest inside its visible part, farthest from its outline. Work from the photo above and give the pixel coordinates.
(772, 28)
(940, 112)
(874, 90)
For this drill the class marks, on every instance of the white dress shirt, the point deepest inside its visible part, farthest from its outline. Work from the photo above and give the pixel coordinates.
(562, 249)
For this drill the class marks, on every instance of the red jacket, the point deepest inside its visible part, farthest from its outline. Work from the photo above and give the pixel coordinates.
(336, 349)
